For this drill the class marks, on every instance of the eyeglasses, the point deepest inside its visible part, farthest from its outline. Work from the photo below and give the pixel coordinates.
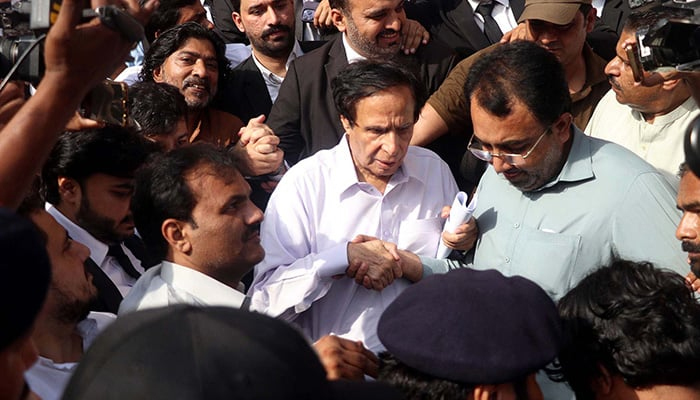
(512, 159)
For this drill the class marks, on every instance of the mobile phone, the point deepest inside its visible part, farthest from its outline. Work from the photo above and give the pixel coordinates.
(107, 102)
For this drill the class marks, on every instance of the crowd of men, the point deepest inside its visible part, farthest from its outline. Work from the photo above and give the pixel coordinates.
(267, 221)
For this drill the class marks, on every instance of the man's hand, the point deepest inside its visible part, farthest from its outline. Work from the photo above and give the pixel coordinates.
(520, 32)
(345, 359)
(413, 34)
(693, 281)
(81, 55)
(464, 237)
(257, 148)
(322, 16)
(373, 263)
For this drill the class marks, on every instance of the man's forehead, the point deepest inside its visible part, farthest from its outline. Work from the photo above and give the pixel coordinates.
(373, 5)
(247, 4)
(189, 44)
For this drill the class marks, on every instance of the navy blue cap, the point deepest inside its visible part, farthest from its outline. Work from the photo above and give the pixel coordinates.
(473, 327)
(26, 273)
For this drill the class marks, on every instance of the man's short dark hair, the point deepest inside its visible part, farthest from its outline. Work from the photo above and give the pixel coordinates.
(417, 385)
(162, 190)
(172, 39)
(636, 321)
(157, 107)
(365, 78)
(164, 17)
(236, 4)
(519, 71)
(110, 150)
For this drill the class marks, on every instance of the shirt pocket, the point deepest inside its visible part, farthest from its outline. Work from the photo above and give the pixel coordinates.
(548, 259)
(421, 236)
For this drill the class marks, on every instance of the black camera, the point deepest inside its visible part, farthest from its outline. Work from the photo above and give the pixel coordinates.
(672, 42)
(21, 25)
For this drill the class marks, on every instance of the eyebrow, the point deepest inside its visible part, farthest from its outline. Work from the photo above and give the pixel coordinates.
(195, 54)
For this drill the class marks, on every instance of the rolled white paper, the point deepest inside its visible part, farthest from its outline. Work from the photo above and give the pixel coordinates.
(459, 214)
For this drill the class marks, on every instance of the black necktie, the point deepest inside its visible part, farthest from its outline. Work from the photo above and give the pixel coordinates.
(491, 30)
(116, 251)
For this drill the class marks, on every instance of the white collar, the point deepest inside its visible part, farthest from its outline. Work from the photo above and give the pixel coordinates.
(267, 74)
(98, 250)
(206, 289)
(350, 53)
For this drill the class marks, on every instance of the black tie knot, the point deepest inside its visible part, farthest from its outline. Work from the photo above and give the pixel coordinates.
(116, 251)
(491, 29)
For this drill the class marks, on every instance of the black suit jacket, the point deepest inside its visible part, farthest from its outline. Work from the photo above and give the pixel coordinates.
(452, 22)
(615, 14)
(304, 115)
(245, 93)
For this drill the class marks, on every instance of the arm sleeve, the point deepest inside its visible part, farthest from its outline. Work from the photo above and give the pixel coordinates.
(293, 274)
(285, 116)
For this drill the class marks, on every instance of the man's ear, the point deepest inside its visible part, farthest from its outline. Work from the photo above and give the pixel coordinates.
(589, 20)
(338, 19)
(236, 17)
(562, 127)
(346, 123)
(602, 385)
(70, 191)
(175, 233)
(158, 74)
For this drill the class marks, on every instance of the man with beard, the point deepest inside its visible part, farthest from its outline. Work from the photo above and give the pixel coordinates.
(555, 203)
(88, 181)
(304, 115)
(192, 58)
(64, 328)
(269, 25)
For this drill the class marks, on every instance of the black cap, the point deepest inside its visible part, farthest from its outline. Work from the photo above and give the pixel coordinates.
(473, 327)
(26, 273)
(187, 352)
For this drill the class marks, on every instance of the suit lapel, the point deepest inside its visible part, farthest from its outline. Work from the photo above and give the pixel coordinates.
(108, 296)
(463, 18)
(255, 88)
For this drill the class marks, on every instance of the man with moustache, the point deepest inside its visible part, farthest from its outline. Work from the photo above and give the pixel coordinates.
(88, 181)
(555, 203)
(192, 58)
(192, 207)
(649, 120)
(64, 328)
(304, 115)
(255, 83)
(688, 231)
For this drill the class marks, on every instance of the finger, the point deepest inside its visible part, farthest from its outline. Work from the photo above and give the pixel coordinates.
(445, 212)
(69, 15)
(367, 283)
(392, 249)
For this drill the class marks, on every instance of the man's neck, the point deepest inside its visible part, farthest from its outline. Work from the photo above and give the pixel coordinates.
(674, 101)
(576, 74)
(226, 278)
(276, 65)
(56, 340)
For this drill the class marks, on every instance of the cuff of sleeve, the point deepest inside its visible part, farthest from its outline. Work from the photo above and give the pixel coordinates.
(334, 261)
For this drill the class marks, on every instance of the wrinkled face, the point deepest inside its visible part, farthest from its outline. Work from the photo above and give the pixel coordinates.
(564, 41)
(71, 286)
(174, 139)
(373, 27)
(105, 207)
(621, 78)
(269, 25)
(381, 133)
(18, 357)
(193, 68)
(194, 12)
(688, 231)
(225, 236)
(516, 134)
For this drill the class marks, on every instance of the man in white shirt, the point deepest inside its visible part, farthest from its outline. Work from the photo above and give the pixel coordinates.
(648, 120)
(334, 222)
(88, 182)
(192, 207)
(64, 328)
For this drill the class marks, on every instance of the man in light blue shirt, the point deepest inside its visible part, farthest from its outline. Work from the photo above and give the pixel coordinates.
(556, 204)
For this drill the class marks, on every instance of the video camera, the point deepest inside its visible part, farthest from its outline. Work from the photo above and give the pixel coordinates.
(24, 26)
(671, 43)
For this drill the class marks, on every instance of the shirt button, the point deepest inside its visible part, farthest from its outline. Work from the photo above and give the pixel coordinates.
(507, 259)
(516, 225)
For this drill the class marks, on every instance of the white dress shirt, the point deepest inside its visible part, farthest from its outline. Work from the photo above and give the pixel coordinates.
(98, 252)
(274, 81)
(169, 283)
(49, 379)
(502, 13)
(317, 208)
